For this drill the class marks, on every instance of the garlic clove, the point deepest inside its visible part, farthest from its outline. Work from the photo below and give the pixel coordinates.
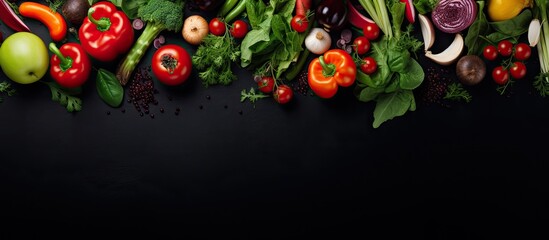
(427, 31)
(534, 32)
(450, 54)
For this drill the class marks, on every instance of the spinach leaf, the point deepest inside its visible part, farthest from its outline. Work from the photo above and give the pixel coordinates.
(478, 28)
(412, 77)
(369, 94)
(390, 105)
(109, 88)
(398, 59)
(515, 26)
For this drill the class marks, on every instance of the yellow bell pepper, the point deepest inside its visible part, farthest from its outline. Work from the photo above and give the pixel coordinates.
(499, 10)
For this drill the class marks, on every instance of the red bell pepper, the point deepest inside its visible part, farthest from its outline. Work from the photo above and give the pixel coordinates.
(70, 66)
(106, 32)
(335, 68)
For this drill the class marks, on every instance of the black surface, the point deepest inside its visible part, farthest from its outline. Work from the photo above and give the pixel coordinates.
(223, 169)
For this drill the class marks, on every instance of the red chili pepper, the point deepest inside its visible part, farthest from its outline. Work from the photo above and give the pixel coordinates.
(335, 68)
(8, 16)
(70, 65)
(106, 32)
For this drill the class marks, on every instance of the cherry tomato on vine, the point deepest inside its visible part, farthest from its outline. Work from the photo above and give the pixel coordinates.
(239, 29)
(371, 31)
(522, 51)
(505, 48)
(217, 27)
(490, 52)
(369, 65)
(299, 23)
(361, 45)
(283, 94)
(518, 70)
(266, 84)
(171, 64)
(500, 75)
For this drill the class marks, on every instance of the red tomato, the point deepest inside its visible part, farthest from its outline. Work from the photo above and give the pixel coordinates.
(518, 70)
(500, 75)
(171, 64)
(239, 29)
(522, 51)
(299, 23)
(361, 45)
(371, 31)
(490, 52)
(283, 94)
(266, 84)
(505, 48)
(369, 65)
(217, 27)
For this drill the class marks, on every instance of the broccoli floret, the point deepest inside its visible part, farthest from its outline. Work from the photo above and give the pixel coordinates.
(163, 12)
(158, 15)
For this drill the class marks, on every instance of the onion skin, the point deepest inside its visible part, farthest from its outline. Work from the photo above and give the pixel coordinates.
(454, 16)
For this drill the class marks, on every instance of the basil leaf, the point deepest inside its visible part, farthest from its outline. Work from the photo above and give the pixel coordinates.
(515, 26)
(478, 28)
(109, 88)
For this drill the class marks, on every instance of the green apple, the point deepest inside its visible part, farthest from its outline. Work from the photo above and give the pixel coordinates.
(24, 57)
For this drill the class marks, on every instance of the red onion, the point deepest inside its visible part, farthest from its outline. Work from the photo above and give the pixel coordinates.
(453, 16)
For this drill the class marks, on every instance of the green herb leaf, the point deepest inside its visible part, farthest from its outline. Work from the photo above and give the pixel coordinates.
(58, 94)
(542, 84)
(516, 26)
(480, 27)
(109, 88)
(252, 96)
(412, 76)
(456, 92)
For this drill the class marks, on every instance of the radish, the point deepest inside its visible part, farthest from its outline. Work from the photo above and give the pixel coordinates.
(410, 11)
(302, 6)
(356, 18)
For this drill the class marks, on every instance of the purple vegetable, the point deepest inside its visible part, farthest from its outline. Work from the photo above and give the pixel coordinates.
(454, 16)
(347, 35)
(341, 43)
(137, 24)
(161, 39)
(157, 43)
(331, 14)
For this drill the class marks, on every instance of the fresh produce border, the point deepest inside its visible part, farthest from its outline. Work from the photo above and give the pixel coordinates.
(377, 53)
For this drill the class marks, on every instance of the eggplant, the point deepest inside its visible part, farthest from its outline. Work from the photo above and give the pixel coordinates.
(331, 14)
(208, 5)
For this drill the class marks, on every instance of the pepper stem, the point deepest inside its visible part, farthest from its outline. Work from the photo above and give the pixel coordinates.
(65, 62)
(328, 69)
(103, 24)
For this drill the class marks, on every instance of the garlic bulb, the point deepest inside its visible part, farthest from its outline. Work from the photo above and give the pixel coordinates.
(318, 41)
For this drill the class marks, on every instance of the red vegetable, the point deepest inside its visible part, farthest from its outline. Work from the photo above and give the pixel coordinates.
(106, 32)
(302, 6)
(335, 68)
(8, 16)
(356, 18)
(171, 64)
(453, 16)
(410, 11)
(70, 66)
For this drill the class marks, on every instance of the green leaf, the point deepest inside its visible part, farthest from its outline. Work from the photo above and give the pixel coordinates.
(369, 94)
(516, 26)
(412, 76)
(479, 28)
(391, 105)
(109, 88)
(58, 94)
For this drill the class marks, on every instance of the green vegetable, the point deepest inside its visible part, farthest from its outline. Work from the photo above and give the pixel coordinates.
(109, 88)
(542, 80)
(398, 73)
(5, 87)
(64, 97)
(271, 40)
(252, 95)
(425, 6)
(480, 27)
(158, 15)
(236, 11)
(213, 59)
(456, 92)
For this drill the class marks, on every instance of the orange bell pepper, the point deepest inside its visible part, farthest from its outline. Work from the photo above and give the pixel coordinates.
(335, 68)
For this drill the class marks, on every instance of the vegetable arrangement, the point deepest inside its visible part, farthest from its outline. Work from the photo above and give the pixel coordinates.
(371, 46)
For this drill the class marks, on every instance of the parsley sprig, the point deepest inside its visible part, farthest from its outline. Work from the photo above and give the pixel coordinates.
(456, 92)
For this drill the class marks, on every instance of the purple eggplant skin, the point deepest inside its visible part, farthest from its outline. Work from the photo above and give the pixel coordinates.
(331, 14)
(208, 5)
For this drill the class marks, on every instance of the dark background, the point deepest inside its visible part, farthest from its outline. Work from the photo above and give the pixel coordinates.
(223, 169)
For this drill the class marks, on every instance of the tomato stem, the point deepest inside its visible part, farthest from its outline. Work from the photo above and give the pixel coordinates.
(169, 62)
